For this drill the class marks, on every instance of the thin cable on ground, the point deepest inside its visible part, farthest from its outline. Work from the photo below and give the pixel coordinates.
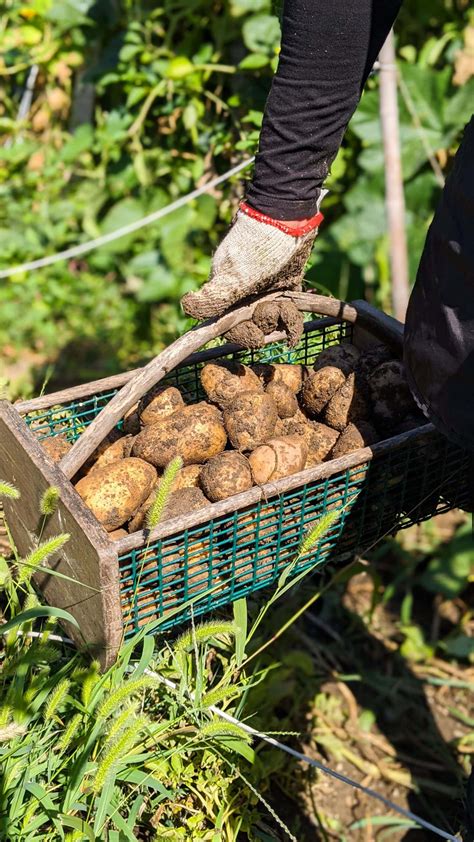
(311, 762)
(90, 245)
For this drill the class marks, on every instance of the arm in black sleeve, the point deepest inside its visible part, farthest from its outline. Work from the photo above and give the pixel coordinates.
(327, 51)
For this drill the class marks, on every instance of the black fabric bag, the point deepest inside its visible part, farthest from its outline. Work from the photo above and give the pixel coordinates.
(439, 329)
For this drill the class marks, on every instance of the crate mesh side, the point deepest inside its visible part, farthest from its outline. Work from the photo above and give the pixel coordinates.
(235, 555)
(238, 554)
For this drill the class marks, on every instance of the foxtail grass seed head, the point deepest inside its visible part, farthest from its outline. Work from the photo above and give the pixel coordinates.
(124, 693)
(31, 601)
(70, 732)
(89, 679)
(122, 747)
(317, 531)
(156, 510)
(203, 633)
(220, 694)
(10, 731)
(38, 557)
(8, 490)
(49, 501)
(121, 722)
(219, 729)
(56, 699)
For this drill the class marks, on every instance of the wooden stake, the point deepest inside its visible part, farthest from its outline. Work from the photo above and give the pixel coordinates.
(394, 196)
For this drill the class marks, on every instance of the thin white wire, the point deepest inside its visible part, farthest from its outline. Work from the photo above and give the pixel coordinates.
(311, 762)
(84, 248)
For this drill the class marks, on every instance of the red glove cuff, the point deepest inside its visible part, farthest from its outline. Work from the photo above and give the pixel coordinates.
(297, 231)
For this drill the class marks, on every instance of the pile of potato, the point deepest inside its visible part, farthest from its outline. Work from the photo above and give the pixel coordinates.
(259, 423)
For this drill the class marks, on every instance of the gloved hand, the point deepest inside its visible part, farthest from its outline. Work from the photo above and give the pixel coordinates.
(257, 256)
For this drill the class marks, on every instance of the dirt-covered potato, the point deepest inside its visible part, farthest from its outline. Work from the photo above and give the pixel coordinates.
(195, 433)
(285, 399)
(185, 574)
(159, 403)
(354, 437)
(141, 608)
(184, 501)
(267, 316)
(349, 404)
(253, 563)
(344, 357)
(369, 359)
(187, 477)
(224, 381)
(56, 446)
(224, 475)
(298, 425)
(113, 452)
(118, 534)
(320, 440)
(391, 398)
(277, 458)
(251, 420)
(131, 421)
(139, 518)
(319, 388)
(290, 375)
(115, 492)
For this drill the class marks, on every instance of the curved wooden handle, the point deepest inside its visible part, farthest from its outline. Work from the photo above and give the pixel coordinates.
(178, 351)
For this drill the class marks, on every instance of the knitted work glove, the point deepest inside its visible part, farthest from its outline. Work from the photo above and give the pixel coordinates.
(258, 255)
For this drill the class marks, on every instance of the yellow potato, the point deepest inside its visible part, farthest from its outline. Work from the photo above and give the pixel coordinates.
(223, 381)
(117, 534)
(251, 420)
(183, 502)
(195, 433)
(320, 441)
(159, 403)
(284, 397)
(115, 492)
(56, 446)
(277, 458)
(347, 405)
(290, 375)
(187, 477)
(112, 452)
(319, 388)
(225, 475)
(354, 437)
(138, 520)
(345, 357)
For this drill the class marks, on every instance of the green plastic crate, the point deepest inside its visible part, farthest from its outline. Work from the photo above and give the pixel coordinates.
(231, 551)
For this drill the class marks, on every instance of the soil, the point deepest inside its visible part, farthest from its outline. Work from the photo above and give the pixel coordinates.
(401, 727)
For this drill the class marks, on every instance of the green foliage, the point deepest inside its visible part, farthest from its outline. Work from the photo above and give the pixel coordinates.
(104, 754)
(133, 105)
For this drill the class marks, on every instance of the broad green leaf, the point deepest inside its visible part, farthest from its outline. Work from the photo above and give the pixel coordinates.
(254, 61)
(122, 213)
(458, 107)
(449, 571)
(77, 824)
(261, 33)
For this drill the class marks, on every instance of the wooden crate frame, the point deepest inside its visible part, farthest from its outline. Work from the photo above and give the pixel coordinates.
(91, 558)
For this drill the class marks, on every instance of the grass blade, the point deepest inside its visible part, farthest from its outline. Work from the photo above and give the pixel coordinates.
(34, 613)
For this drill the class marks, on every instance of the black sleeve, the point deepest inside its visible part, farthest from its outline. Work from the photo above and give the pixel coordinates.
(328, 48)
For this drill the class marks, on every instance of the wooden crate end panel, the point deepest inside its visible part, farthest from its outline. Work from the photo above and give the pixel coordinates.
(94, 598)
